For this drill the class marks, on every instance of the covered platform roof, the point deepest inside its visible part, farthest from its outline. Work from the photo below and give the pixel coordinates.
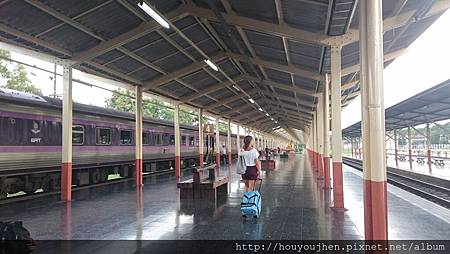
(272, 51)
(431, 105)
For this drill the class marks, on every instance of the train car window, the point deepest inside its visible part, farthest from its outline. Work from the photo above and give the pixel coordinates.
(103, 136)
(126, 137)
(157, 138)
(183, 140)
(165, 139)
(191, 141)
(145, 138)
(172, 140)
(77, 135)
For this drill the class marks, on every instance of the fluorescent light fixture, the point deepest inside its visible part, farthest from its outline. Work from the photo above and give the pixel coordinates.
(276, 121)
(260, 109)
(251, 100)
(149, 10)
(272, 119)
(211, 64)
(235, 87)
(267, 114)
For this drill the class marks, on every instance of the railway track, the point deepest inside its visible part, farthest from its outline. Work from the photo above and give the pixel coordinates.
(411, 182)
(25, 197)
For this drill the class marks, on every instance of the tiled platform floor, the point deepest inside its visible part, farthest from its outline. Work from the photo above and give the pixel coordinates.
(294, 207)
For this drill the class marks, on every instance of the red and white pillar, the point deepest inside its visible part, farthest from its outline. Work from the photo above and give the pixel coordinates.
(66, 167)
(138, 135)
(176, 125)
(428, 137)
(201, 142)
(229, 143)
(238, 140)
(336, 142)
(395, 148)
(373, 135)
(326, 130)
(320, 131)
(217, 143)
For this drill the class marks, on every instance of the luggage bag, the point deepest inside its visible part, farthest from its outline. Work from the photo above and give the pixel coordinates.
(251, 203)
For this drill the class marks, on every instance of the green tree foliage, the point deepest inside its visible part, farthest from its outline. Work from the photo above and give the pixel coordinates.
(123, 100)
(16, 78)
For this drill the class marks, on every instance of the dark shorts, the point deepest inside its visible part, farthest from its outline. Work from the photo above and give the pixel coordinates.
(251, 173)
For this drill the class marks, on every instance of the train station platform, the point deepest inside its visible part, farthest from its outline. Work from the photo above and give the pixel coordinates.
(294, 207)
(432, 170)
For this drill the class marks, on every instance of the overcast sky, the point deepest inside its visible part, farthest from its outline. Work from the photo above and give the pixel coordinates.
(425, 64)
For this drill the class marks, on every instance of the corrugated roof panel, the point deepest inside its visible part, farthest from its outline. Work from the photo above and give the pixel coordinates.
(305, 83)
(222, 94)
(146, 40)
(203, 100)
(305, 16)
(173, 62)
(269, 54)
(108, 56)
(110, 20)
(284, 92)
(171, 86)
(125, 64)
(23, 17)
(162, 6)
(146, 74)
(257, 9)
(307, 63)
(278, 76)
(156, 51)
(72, 39)
(72, 8)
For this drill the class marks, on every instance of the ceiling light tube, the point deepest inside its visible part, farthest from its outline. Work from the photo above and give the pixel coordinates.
(267, 114)
(149, 10)
(251, 100)
(260, 109)
(211, 64)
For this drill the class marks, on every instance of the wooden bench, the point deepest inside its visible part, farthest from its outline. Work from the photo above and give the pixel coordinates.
(420, 160)
(401, 157)
(268, 164)
(201, 187)
(439, 162)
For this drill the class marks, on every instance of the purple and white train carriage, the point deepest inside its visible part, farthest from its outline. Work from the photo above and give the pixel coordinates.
(103, 143)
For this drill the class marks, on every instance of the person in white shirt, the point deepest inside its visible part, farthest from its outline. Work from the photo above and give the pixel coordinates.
(252, 162)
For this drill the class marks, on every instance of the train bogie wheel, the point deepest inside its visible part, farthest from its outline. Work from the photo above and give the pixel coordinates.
(94, 176)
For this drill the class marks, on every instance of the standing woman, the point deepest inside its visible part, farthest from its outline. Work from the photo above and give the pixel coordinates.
(252, 162)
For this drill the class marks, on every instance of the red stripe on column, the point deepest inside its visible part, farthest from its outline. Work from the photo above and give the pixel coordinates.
(200, 159)
(138, 173)
(338, 188)
(410, 154)
(429, 157)
(375, 210)
(229, 158)
(326, 174)
(177, 167)
(320, 166)
(218, 160)
(66, 181)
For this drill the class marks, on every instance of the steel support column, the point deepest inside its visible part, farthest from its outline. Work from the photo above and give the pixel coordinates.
(373, 135)
(336, 142)
(66, 169)
(217, 144)
(428, 137)
(326, 130)
(229, 143)
(201, 142)
(409, 147)
(395, 148)
(238, 140)
(176, 125)
(138, 137)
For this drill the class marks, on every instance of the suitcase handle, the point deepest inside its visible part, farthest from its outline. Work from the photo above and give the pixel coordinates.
(260, 183)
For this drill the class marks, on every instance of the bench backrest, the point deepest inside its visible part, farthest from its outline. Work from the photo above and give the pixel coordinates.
(198, 173)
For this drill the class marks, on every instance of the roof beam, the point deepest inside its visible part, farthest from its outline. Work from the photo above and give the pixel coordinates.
(394, 22)
(224, 101)
(280, 67)
(260, 26)
(283, 86)
(387, 57)
(212, 88)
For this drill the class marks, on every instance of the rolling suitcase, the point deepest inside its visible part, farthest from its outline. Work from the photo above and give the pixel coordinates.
(251, 203)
